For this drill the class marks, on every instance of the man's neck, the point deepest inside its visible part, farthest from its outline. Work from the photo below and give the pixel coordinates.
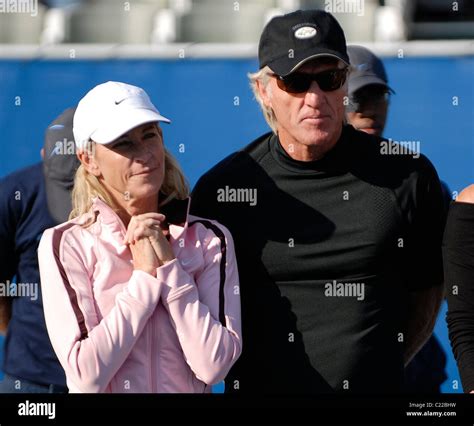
(307, 152)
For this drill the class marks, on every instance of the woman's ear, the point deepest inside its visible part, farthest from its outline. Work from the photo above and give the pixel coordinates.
(87, 158)
(264, 92)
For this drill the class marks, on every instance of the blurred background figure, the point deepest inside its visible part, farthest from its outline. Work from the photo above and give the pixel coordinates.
(367, 110)
(59, 165)
(369, 92)
(31, 200)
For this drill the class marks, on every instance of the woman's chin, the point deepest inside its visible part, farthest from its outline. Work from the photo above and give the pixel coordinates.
(144, 191)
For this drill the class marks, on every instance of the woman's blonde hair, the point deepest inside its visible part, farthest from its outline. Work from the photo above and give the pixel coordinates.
(263, 76)
(87, 186)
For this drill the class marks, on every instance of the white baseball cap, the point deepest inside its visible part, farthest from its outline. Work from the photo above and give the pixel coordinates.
(111, 109)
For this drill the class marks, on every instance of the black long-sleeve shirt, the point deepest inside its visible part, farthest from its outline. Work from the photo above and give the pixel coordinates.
(458, 256)
(309, 237)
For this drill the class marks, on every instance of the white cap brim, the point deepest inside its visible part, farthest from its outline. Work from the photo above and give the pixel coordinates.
(124, 122)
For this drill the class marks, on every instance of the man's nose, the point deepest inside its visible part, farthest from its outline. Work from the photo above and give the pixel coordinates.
(314, 94)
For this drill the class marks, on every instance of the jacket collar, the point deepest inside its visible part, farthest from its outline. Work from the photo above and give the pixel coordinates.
(176, 212)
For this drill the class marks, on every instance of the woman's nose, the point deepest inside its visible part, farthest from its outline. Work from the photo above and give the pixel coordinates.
(143, 152)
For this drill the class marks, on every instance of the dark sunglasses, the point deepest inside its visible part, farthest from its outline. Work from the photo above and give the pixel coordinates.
(363, 98)
(299, 82)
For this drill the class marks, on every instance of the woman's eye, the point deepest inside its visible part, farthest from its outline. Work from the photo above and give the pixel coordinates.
(121, 144)
(150, 135)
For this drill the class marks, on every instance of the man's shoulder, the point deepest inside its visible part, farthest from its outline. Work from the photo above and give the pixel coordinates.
(390, 156)
(20, 189)
(27, 175)
(235, 164)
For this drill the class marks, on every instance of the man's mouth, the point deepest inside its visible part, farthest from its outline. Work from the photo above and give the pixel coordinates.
(315, 118)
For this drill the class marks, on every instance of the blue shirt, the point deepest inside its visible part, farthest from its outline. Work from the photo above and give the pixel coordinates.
(24, 216)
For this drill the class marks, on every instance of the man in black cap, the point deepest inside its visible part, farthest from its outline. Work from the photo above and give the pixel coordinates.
(369, 91)
(339, 251)
(32, 200)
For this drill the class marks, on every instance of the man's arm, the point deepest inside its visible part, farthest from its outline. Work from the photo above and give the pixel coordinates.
(7, 248)
(423, 311)
(426, 290)
(5, 313)
(458, 261)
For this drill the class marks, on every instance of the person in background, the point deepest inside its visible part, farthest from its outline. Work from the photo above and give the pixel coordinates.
(367, 110)
(368, 90)
(31, 200)
(458, 259)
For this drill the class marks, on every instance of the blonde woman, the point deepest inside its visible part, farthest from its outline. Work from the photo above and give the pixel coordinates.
(139, 296)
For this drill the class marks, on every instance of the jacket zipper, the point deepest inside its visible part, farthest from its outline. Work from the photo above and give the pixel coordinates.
(152, 354)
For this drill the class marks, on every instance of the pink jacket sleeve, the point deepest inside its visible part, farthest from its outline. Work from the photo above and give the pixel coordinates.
(205, 312)
(91, 352)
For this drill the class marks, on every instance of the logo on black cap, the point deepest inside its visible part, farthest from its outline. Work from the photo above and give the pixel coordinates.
(308, 31)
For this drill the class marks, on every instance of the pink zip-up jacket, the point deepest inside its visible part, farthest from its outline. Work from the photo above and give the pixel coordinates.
(116, 329)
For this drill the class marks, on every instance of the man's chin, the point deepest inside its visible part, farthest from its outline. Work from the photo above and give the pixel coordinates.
(372, 130)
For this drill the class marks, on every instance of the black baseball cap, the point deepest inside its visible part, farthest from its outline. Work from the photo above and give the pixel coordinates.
(367, 69)
(60, 163)
(288, 41)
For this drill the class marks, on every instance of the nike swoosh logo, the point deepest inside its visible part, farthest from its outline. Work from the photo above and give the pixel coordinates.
(118, 102)
(186, 262)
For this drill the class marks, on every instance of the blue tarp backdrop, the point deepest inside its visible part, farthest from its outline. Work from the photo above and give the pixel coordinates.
(213, 112)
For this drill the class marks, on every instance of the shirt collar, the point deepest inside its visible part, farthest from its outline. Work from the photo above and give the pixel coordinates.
(176, 212)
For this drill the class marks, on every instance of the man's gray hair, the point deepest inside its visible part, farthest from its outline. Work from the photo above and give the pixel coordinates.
(263, 76)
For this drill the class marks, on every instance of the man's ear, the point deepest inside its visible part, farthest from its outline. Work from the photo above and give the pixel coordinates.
(264, 92)
(87, 159)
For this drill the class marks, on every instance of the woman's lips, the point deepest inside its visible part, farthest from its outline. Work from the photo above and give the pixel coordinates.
(145, 172)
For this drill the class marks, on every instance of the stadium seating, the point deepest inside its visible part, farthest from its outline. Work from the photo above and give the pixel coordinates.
(225, 21)
(357, 26)
(22, 28)
(228, 21)
(111, 21)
